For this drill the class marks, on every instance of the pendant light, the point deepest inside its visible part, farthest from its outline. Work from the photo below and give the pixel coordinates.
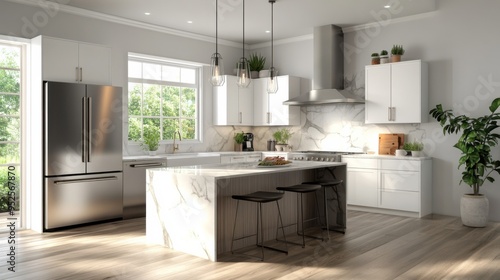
(243, 71)
(272, 82)
(216, 65)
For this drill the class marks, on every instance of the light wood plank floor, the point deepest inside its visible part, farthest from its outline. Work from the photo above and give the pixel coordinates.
(375, 246)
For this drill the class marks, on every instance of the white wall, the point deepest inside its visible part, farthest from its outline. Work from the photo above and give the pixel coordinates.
(459, 41)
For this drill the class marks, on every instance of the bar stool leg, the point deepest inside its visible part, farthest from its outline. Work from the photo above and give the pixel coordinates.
(282, 228)
(234, 226)
(326, 214)
(261, 231)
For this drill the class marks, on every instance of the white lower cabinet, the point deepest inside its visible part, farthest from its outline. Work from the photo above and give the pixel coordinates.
(397, 185)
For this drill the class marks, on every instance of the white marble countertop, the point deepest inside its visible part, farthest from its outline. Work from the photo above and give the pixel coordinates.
(376, 156)
(222, 171)
(189, 155)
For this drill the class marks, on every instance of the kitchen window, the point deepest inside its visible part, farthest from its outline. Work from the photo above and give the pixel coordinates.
(11, 81)
(163, 93)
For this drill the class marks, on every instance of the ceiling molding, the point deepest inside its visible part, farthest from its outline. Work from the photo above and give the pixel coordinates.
(391, 21)
(282, 41)
(124, 21)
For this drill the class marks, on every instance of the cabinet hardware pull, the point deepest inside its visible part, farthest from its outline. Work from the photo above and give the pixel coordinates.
(81, 74)
(106, 178)
(77, 73)
(389, 114)
(393, 113)
(89, 128)
(241, 118)
(145, 165)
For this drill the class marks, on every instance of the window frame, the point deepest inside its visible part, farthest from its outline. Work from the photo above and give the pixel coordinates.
(198, 67)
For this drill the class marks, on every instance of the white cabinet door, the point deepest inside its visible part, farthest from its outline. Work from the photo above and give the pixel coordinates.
(232, 105)
(362, 187)
(95, 64)
(269, 108)
(377, 93)
(406, 92)
(59, 60)
(253, 158)
(69, 61)
(396, 92)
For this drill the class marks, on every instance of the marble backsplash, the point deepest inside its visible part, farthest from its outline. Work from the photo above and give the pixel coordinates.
(338, 127)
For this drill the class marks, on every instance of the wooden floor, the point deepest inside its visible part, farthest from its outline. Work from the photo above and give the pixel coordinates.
(375, 246)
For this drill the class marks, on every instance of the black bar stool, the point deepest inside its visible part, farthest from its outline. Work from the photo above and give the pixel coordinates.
(333, 183)
(300, 190)
(259, 197)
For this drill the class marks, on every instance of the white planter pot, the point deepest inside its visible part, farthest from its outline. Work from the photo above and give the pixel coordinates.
(254, 74)
(281, 147)
(152, 153)
(384, 59)
(264, 73)
(416, 153)
(474, 210)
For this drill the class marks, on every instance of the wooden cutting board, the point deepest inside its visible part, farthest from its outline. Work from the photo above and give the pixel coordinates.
(389, 143)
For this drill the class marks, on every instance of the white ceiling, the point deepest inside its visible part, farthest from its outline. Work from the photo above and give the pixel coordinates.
(292, 18)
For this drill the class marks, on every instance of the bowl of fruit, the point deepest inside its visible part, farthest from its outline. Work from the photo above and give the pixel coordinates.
(274, 162)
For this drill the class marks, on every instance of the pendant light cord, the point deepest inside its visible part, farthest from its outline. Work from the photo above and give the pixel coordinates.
(272, 34)
(216, 26)
(243, 28)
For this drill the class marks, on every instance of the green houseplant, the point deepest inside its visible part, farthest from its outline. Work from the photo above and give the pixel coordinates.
(415, 148)
(375, 59)
(384, 57)
(151, 138)
(476, 143)
(256, 63)
(282, 136)
(238, 137)
(397, 51)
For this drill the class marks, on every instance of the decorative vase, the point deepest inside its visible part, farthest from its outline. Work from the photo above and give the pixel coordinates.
(474, 210)
(152, 153)
(401, 153)
(375, 60)
(263, 73)
(281, 147)
(396, 58)
(254, 74)
(416, 153)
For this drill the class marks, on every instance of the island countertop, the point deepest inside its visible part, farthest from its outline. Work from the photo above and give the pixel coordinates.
(233, 170)
(190, 208)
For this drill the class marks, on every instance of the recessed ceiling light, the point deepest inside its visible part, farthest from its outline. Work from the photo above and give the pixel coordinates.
(147, 13)
(387, 6)
(267, 31)
(189, 21)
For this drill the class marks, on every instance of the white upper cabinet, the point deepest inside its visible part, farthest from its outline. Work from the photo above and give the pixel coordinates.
(396, 92)
(70, 61)
(269, 108)
(233, 105)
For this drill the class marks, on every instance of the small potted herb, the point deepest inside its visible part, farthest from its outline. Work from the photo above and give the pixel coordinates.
(282, 136)
(239, 138)
(256, 63)
(150, 139)
(375, 59)
(384, 57)
(397, 51)
(414, 147)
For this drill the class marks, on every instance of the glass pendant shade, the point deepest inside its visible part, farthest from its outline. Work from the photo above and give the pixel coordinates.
(243, 73)
(272, 82)
(217, 70)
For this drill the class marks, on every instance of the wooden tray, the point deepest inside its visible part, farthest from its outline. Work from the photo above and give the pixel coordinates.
(389, 143)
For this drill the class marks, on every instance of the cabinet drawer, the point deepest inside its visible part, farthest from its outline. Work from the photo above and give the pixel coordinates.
(360, 163)
(400, 164)
(398, 200)
(399, 180)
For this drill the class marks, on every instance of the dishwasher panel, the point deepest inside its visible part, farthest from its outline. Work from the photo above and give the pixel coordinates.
(134, 186)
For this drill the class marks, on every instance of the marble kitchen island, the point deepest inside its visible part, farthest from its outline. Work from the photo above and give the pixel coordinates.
(190, 209)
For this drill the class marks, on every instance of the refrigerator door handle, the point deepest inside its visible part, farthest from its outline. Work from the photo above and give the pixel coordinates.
(89, 128)
(84, 131)
(97, 179)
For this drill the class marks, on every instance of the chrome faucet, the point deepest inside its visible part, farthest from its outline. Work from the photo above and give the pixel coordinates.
(176, 146)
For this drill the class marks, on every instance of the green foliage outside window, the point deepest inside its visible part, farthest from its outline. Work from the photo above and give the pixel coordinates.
(168, 106)
(10, 121)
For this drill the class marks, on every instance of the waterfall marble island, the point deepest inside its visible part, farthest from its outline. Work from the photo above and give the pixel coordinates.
(190, 209)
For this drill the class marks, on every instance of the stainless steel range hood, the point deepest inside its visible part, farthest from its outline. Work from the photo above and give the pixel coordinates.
(328, 72)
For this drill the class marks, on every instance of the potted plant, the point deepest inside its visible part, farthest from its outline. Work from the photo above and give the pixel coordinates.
(239, 137)
(151, 139)
(384, 57)
(256, 63)
(414, 147)
(397, 51)
(375, 59)
(282, 136)
(476, 143)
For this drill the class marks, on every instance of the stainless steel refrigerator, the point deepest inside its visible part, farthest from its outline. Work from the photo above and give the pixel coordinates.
(82, 154)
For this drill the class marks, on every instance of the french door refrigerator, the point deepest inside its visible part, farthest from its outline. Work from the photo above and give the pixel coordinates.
(82, 154)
